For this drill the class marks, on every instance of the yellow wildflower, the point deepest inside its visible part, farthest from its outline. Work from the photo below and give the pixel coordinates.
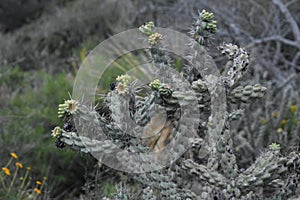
(263, 121)
(19, 165)
(38, 182)
(283, 122)
(14, 155)
(37, 191)
(275, 114)
(44, 178)
(293, 108)
(6, 171)
(28, 168)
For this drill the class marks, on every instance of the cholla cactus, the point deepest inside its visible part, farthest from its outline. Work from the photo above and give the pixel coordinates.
(204, 26)
(209, 170)
(247, 93)
(238, 62)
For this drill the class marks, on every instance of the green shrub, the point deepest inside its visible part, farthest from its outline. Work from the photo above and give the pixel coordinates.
(27, 100)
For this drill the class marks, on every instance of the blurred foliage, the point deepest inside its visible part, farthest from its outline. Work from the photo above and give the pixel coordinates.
(17, 183)
(16, 13)
(10, 19)
(48, 41)
(27, 100)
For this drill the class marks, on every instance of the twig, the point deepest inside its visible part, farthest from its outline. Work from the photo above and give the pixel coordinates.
(288, 80)
(274, 38)
(289, 19)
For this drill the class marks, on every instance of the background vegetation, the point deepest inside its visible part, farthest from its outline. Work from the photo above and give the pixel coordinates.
(42, 45)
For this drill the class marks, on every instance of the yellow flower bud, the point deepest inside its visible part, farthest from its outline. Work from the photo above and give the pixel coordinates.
(14, 155)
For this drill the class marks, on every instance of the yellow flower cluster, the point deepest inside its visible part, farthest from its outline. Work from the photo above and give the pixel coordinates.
(291, 119)
(19, 165)
(155, 38)
(18, 188)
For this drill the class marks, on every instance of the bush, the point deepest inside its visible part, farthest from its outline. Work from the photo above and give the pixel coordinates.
(27, 101)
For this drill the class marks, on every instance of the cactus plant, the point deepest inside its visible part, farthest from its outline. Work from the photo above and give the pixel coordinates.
(209, 169)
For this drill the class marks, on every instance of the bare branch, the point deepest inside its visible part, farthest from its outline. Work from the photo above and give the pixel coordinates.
(274, 38)
(290, 19)
(296, 58)
(291, 3)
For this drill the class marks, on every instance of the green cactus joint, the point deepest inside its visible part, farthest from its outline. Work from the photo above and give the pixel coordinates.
(274, 146)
